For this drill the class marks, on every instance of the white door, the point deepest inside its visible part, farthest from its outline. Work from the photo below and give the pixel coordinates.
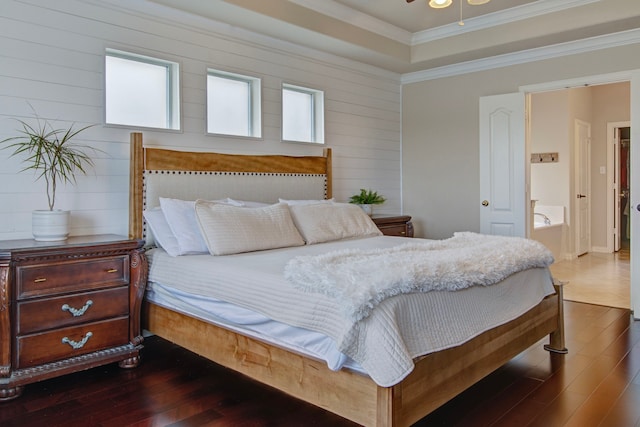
(634, 196)
(504, 192)
(582, 186)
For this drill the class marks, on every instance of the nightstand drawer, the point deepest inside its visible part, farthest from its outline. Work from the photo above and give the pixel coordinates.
(398, 230)
(390, 225)
(50, 279)
(63, 343)
(50, 313)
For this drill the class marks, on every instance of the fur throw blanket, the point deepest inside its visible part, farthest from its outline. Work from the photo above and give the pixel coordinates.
(361, 279)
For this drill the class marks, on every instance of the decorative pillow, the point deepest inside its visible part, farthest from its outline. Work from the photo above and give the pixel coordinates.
(181, 216)
(324, 222)
(247, 203)
(161, 231)
(231, 202)
(306, 202)
(231, 230)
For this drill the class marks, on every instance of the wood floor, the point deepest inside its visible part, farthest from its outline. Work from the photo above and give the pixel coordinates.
(596, 384)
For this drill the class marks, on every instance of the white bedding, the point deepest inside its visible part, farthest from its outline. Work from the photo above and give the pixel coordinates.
(358, 280)
(383, 344)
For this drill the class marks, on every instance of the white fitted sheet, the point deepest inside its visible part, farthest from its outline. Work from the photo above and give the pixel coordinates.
(250, 323)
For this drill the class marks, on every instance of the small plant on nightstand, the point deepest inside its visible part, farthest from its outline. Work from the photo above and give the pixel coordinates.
(51, 155)
(367, 198)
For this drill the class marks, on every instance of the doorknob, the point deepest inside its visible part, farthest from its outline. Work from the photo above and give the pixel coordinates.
(638, 208)
(486, 203)
(581, 196)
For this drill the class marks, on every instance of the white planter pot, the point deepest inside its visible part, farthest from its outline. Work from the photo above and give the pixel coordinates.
(50, 226)
(368, 209)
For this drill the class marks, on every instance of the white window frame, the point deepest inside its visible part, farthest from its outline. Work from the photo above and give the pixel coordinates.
(173, 114)
(316, 108)
(254, 103)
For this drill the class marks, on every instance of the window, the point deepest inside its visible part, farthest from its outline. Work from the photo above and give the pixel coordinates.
(302, 114)
(233, 104)
(141, 91)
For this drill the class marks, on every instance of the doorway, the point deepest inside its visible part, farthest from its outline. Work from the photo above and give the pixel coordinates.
(619, 181)
(632, 96)
(563, 181)
(622, 232)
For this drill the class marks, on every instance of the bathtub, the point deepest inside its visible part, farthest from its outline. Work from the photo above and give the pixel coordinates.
(549, 228)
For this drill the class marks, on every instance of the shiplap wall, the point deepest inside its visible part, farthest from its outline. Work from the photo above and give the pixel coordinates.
(52, 59)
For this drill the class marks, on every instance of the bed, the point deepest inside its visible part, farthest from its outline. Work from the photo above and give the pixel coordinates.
(433, 379)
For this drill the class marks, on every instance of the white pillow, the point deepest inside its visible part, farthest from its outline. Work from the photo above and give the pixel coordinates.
(181, 216)
(231, 202)
(247, 203)
(231, 230)
(161, 231)
(305, 202)
(325, 222)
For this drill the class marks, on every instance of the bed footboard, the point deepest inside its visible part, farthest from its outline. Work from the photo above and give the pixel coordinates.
(436, 378)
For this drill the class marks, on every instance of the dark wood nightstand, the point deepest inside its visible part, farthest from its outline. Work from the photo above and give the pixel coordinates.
(394, 225)
(68, 306)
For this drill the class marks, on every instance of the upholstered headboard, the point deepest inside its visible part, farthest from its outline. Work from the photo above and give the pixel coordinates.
(156, 172)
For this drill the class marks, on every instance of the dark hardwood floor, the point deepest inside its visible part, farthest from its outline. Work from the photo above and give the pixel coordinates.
(596, 384)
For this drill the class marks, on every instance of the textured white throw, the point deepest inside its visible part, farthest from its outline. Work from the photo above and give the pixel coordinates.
(360, 279)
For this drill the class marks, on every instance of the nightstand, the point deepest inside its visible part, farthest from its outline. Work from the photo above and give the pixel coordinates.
(68, 306)
(394, 225)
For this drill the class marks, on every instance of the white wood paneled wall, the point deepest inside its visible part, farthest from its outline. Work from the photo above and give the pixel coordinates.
(52, 58)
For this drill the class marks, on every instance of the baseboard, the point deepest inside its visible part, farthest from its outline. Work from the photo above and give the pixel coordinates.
(600, 249)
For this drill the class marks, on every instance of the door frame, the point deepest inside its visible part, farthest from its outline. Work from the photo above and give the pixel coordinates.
(582, 170)
(612, 146)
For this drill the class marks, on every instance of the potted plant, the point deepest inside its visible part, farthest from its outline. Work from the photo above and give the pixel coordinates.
(367, 198)
(51, 155)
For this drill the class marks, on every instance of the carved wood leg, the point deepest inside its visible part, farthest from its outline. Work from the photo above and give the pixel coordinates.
(131, 362)
(10, 393)
(556, 338)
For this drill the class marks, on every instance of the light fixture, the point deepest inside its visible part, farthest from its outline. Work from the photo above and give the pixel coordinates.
(440, 4)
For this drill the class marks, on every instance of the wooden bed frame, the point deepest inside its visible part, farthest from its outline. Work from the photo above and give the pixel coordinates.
(437, 377)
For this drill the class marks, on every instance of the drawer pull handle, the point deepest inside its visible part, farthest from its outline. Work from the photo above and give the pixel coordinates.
(112, 270)
(76, 345)
(40, 280)
(75, 311)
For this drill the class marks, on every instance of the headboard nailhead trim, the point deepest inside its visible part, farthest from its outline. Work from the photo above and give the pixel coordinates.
(213, 173)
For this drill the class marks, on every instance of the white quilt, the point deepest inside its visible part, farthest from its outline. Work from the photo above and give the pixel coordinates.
(385, 342)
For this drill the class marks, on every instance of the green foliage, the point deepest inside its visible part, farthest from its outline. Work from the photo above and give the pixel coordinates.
(50, 154)
(367, 197)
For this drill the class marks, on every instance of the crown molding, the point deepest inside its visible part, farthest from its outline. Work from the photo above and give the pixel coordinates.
(362, 20)
(204, 25)
(519, 13)
(538, 54)
(367, 22)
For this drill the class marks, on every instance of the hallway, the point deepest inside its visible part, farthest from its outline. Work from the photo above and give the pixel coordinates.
(596, 278)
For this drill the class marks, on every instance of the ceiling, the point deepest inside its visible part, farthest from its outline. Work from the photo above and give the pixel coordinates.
(409, 37)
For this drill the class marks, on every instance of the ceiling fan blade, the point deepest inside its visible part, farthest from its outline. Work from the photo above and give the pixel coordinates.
(409, 1)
